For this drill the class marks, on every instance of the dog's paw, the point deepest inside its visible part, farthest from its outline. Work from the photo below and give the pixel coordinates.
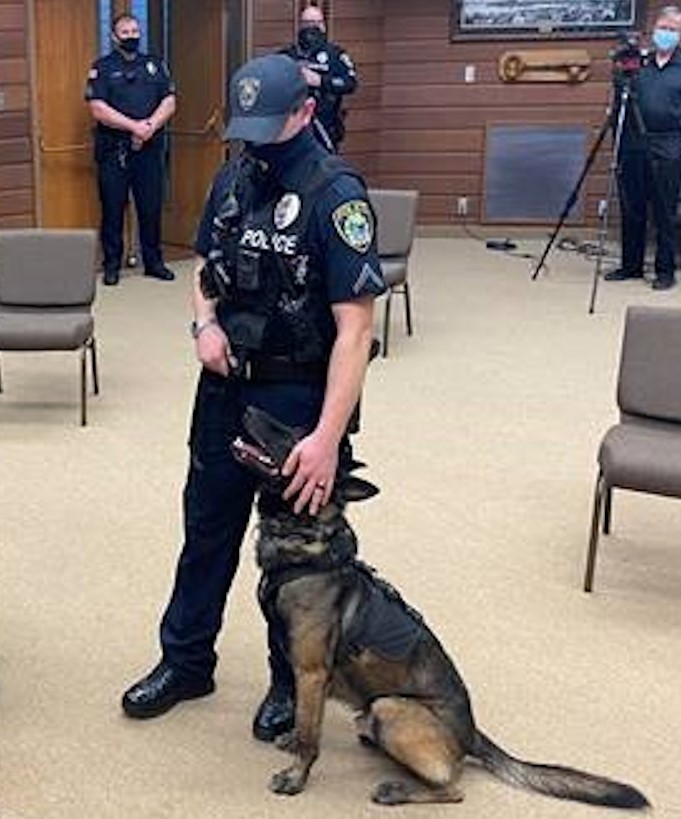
(288, 742)
(288, 782)
(391, 793)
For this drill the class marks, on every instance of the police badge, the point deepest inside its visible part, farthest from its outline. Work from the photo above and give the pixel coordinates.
(354, 222)
(151, 68)
(248, 90)
(286, 210)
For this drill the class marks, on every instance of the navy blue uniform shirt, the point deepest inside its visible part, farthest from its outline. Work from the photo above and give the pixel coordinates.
(135, 87)
(657, 92)
(341, 234)
(338, 77)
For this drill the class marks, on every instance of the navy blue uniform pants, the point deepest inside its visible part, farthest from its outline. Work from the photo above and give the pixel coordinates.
(123, 170)
(218, 498)
(643, 181)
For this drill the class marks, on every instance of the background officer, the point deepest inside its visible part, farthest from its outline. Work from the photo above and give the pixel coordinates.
(283, 314)
(329, 71)
(131, 96)
(650, 157)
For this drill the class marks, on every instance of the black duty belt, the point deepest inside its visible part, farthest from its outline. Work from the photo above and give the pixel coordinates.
(280, 369)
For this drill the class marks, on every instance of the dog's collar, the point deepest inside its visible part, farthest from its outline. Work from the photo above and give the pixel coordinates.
(341, 552)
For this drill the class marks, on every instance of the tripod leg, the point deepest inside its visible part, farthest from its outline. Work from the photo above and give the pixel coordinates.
(572, 198)
(612, 177)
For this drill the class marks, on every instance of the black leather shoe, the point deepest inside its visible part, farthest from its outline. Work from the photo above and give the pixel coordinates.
(160, 690)
(111, 276)
(663, 284)
(275, 716)
(163, 273)
(621, 275)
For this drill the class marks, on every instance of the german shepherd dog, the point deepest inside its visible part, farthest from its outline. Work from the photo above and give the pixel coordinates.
(350, 635)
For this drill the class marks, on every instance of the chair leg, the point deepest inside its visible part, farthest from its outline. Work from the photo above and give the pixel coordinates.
(407, 308)
(607, 513)
(83, 386)
(386, 322)
(92, 344)
(601, 490)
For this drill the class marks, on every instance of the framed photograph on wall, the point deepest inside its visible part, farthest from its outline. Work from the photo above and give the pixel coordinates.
(508, 19)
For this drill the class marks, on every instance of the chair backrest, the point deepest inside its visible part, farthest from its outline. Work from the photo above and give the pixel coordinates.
(47, 268)
(396, 219)
(649, 382)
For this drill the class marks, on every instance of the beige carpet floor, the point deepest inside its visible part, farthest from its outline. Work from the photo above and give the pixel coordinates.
(481, 430)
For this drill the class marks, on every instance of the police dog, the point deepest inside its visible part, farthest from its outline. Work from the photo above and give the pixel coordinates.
(350, 635)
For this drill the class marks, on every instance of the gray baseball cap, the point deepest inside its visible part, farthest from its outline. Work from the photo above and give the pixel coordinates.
(262, 95)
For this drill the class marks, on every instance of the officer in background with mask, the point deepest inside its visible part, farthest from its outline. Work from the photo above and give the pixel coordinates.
(131, 96)
(329, 71)
(283, 313)
(650, 157)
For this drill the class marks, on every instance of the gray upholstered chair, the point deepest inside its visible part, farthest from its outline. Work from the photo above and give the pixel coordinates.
(47, 287)
(643, 452)
(396, 219)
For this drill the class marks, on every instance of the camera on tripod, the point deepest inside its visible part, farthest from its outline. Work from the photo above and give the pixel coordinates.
(628, 56)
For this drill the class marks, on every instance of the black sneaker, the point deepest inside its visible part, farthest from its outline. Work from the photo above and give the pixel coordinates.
(163, 273)
(275, 716)
(621, 275)
(111, 277)
(160, 691)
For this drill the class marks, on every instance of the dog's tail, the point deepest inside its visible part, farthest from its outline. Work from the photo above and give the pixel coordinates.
(556, 780)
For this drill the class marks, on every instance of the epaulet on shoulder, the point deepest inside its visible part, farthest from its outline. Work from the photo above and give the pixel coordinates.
(327, 173)
(335, 166)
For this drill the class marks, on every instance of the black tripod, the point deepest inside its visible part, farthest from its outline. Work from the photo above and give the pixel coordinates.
(623, 81)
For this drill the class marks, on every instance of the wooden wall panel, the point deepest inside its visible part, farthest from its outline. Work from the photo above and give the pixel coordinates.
(415, 122)
(16, 149)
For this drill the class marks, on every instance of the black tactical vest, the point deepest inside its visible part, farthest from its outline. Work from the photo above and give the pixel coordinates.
(268, 280)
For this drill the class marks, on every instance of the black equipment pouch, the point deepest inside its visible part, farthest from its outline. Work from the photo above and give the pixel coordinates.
(248, 276)
(226, 264)
(245, 330)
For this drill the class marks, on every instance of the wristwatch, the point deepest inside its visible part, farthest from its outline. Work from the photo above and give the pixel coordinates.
(197, 327)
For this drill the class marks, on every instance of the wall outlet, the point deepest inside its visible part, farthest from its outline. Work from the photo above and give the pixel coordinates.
(469, 73)
(462, 206)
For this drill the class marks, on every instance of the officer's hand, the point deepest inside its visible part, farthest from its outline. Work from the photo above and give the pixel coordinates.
(213, 350)
(311, 77)
(142, 130)
(312, 462)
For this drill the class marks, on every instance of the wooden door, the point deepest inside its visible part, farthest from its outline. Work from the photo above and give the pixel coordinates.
(196, 44)
(66, 44)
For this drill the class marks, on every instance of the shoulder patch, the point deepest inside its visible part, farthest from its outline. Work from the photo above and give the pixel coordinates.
(354, 223)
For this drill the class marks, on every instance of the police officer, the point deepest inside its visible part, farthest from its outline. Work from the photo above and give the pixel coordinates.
(283, 305)
(131, 96)
(329, 71)
(650, 157)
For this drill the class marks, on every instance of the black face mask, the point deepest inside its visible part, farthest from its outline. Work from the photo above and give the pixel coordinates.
(129, 44)
(310, 38)
(268, 152)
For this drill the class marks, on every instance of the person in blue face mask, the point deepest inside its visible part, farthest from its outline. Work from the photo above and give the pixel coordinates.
(131, 97)
(650, 157)
(282, 320)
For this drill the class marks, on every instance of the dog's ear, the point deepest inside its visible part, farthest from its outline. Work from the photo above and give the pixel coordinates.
(355, 489)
